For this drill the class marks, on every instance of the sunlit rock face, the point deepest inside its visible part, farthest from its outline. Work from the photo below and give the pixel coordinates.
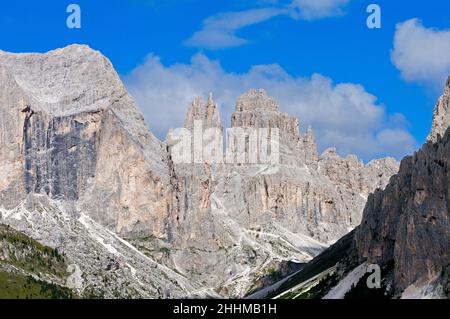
(441, 116)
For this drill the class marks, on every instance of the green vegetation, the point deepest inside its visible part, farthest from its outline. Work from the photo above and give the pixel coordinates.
(30, 255)
(144, 239)
(165, 250)
(18, 286)
(321, 289)
(274, 275)
(360, 291)
(23, 261)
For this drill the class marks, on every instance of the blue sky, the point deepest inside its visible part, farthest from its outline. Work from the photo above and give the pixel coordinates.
(359, 88)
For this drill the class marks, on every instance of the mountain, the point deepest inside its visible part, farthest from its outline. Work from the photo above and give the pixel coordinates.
(71, 131)
(82, 173)
(238, 219)
(405, 230)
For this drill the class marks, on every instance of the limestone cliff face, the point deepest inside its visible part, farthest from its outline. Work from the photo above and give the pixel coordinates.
(207, 114)
(309, 147)
(255, 109)
(353, 175)
(408, 224)
(13, 101)
(304, 192)
(72, 132)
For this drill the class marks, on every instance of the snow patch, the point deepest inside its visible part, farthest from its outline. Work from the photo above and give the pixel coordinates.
(95, 234)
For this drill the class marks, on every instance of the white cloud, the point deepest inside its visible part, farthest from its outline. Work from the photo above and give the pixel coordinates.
(342, 115)
(318, 9)
(219, 31)
(422, 54)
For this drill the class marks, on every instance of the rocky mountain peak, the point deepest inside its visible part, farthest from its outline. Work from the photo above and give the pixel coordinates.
(68, 118)
(330, 152)
(255, 109)
(407, 224)
(405, 229)
(54, 80)
(441, 116)
(256, 99)
(309, 136)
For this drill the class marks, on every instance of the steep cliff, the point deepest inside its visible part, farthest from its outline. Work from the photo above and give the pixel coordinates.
(408, 224)
(71, 135)
(72, 132)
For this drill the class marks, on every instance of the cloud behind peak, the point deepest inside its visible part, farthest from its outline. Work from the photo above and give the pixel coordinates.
(421, 53)
(344, 115)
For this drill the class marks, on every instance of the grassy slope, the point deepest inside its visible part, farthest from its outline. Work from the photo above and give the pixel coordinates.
(24, 263)
(20, 286)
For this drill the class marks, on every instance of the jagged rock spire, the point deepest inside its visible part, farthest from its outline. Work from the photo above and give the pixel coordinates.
(309, 136)
(210, 100)
(207, 113)
(441, 116)
(310, 146)
(256, 99)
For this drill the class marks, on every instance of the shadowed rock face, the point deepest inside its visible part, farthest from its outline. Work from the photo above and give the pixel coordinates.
(69, 131)
(405, 228)
(408, 224)
(60, 157)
